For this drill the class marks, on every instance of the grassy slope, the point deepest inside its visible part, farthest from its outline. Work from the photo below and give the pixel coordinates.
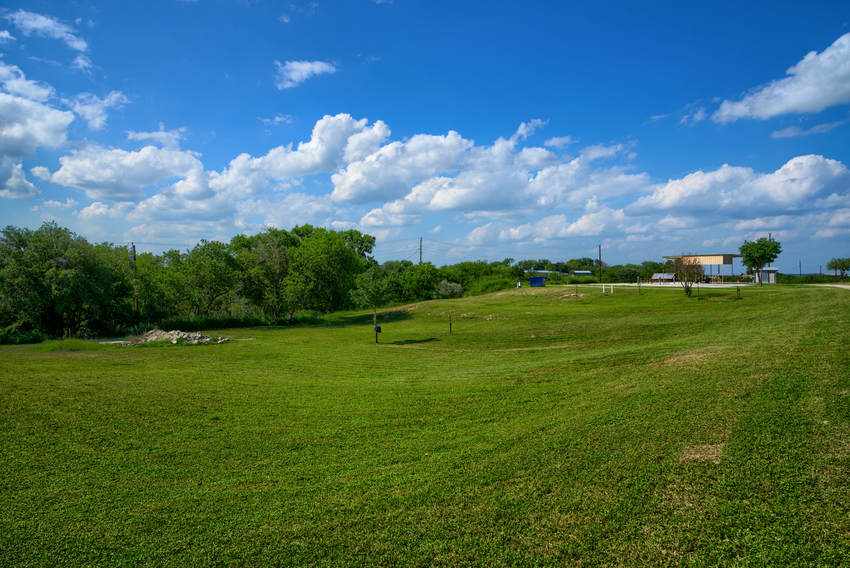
(604, 429)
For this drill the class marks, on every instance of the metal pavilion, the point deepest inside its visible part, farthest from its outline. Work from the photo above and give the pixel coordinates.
(711, 260)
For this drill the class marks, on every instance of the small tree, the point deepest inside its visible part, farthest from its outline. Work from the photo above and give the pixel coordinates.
(688, 270)
(841, 265)
(372, 291)
(759, 253)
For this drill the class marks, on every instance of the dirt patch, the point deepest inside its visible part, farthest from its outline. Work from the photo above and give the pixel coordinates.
(573, 295)
(705, 453)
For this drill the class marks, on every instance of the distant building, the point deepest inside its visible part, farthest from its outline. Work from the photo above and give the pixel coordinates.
(768, 275)
(582, 273)
(663, 277)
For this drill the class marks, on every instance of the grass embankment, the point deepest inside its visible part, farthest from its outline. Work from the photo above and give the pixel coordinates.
(547, 429)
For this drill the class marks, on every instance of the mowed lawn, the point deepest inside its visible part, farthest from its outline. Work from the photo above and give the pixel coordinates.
(547, 429)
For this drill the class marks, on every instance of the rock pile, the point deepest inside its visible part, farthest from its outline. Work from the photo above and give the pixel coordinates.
(177, 335)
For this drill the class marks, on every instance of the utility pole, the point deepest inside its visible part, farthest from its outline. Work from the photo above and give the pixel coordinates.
(135, 272)
(600, 264)
(801, 269)
(420, 250)
(768, 240)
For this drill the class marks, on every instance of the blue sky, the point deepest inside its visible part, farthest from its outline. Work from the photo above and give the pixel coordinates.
(490, 130)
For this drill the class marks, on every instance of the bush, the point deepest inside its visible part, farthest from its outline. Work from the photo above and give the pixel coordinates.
(21, 338)
(805, 279)
(488, 285)
(446, 289)
(581, 280)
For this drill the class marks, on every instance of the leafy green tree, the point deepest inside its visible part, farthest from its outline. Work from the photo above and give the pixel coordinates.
(758, 254)
(159, 297)
(303, 231)
(521, 267)
(467, 272)
(841, 265)
(264, 262)
(322, 273)
(372, 290)
(360, 243)
(628, 273)
(55, 282)
(419, 282)
(583, 263)
(211, 274)
(649, 267)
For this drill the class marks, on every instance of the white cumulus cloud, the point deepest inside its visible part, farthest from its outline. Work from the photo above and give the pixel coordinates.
(26, 125)
(818, 81)
(15, 83)
(804, 183)
(118, 175)
(15, 185)
(324, 152)
(390, 172)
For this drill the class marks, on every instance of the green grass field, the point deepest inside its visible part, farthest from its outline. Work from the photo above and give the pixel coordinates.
(546, 429)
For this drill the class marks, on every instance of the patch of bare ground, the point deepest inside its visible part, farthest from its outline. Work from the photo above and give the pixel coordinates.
(571, 296)
(707, 453)
(704, 453)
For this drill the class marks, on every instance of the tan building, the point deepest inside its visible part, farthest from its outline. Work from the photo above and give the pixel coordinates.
(714, 265)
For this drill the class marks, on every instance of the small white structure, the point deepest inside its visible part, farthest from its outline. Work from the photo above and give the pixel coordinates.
(768, 275)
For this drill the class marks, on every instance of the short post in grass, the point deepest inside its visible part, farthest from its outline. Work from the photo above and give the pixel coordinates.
(450, 324)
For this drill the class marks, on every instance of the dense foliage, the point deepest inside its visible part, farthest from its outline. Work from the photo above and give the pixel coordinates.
(54, 283)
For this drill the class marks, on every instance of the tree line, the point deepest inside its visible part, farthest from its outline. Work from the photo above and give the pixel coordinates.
(54, 283)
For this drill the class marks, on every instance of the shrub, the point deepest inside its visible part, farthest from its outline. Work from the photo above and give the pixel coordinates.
(581, 280)
(446, 289)
(488, 285)
(21, 338)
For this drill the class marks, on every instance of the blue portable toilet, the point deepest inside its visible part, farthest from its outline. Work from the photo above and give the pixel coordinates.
(537, 281)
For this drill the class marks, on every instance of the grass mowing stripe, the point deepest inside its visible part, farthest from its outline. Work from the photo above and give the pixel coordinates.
(545, 429)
